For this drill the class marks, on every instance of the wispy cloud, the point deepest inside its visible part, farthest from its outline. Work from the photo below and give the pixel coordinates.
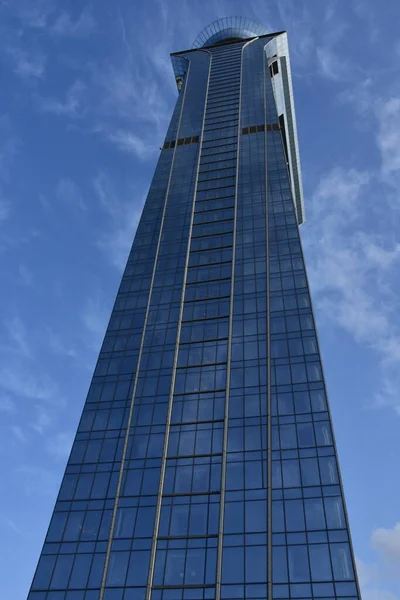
(331, 65)
(19, 434)
(6, 404)
(37, 480)
(28, 64)
(45, 15)
(64, 25)
(71, 106)
(69, 194)
(26, 276)
(42, 420)
(129, 92)
(130, 142)
(381, 114)
(59, 445)
(366, 14)
(123, 205)
(387, 542)
(18, 382)
(58, 345)
(347, 264)
(18, 337)
(9, 147)
(11, 524)
(388, 138)
(5, 208)
(31, 14)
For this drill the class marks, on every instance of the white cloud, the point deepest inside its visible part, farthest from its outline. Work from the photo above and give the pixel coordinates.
(380, 113)
(376, 253)
(374, 580)
(42, 421)
(130, 142)
(69, 194)
(338, 192)
(71, 106)
(388, 137)
(378, 594)
(329, 64)
(348, 261)
(387, 542)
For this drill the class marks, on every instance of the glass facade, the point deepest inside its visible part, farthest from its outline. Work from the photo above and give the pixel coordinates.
(204, 465)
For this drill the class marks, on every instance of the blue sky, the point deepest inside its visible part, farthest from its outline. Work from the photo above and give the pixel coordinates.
(87, 91)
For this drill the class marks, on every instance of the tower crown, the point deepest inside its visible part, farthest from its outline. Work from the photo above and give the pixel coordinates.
(228, 29)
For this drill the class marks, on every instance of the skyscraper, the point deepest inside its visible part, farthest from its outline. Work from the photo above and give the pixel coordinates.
(204, 465)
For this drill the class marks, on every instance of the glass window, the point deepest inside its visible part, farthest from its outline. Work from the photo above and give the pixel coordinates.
(328, 469)
(334, 513)
(179, 520)
(62, 571)
(117, 568)
(138, 568)
(294, 514)
(309, 471)
(291, 473)
(125, 522)
(91, 525)
(279, 565)
(175, 567)
(256, 516)
(305, 433)
(194, 568)
(233, 565)
(298, 564)
(320, 563)
(256, 564)
(74, 526)
(57, 525)
(341, 562)
(315, 516)
(80, 571)
(234, 517)
(43, 572)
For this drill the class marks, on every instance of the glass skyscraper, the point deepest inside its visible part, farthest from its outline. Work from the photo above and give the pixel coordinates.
(204, 465)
